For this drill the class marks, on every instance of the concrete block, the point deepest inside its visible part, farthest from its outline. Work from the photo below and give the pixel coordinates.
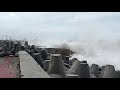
(66, 59)
(66, 65)
(109, 71)
(117, 75)
(102, 72)
(94, 69)
(56, 65)
(73, 60)
(46, 65)
(43, 54)
(81, 69)
(38, 59)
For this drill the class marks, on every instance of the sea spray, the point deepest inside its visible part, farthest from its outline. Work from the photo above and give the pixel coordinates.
(101, 52)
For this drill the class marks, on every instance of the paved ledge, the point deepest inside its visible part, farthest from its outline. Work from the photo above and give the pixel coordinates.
(29, 68)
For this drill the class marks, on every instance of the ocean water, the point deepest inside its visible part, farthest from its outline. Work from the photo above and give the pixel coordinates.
(101, 52)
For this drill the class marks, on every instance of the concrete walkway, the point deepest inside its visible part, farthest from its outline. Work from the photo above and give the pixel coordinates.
(29, 67)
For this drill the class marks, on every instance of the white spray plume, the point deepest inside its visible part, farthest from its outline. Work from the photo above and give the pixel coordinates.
(101, 52)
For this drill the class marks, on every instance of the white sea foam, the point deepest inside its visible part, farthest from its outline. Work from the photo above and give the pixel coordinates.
(101, 52)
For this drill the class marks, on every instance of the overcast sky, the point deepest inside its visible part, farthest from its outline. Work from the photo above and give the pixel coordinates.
(60, 25)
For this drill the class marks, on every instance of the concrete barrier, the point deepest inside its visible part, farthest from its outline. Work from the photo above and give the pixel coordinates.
(46, 65)
(102, 72)
(38, 59)
(73, 60)
(66, 59)
(117, 74)
(66, 65)
(74, 68)
(56, 65)
(94, 69)
(29, 68)
(109, 71)
(81, 69)
(43, 54)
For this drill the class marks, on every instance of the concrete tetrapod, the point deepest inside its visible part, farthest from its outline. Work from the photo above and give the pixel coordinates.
(73, 60)
(66, 59)
(94, 69)
(81, 69)
(46, 65)
(74, 67)
(102, 72)
(56, 65)
(109, 71)
(32, 52)
(117, 74)
(43, 54)
(38, 59)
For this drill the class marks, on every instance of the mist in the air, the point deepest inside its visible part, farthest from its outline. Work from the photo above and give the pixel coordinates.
(97, 51)
(93, 36)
